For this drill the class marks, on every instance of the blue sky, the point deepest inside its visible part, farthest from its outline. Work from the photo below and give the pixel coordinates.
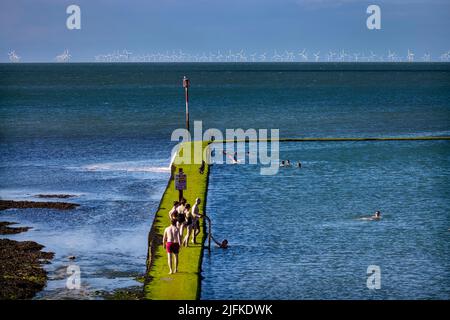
(36, 29)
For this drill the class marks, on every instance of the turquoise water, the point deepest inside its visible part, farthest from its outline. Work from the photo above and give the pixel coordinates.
(102, 132)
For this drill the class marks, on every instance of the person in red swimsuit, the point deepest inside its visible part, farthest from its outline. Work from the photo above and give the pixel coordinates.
(171, 242)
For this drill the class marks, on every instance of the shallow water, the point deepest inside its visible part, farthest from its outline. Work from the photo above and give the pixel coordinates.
(108, 232)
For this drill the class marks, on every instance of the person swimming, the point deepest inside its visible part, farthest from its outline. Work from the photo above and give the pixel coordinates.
(299, 164)
(288, 163)
(375, 216)
(223, 244)
(282, 163)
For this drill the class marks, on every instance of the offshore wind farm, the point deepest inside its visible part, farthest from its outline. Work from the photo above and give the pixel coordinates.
(230, 56)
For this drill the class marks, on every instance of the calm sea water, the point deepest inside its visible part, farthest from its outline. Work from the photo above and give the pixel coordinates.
(102, 132)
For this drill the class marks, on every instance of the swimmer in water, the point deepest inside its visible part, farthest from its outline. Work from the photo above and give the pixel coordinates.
(288, 163)
(299, 164)
(282, 163)
(223, 244)
(376, 216)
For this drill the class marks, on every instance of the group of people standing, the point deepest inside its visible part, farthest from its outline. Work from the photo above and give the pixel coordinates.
(182, 217)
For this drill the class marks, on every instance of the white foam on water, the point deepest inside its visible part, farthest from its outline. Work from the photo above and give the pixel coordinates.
(131, 166)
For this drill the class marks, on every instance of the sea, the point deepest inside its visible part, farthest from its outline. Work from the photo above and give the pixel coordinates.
(102, 133)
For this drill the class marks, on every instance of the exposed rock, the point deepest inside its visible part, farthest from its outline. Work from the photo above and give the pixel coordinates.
(21, 272)
(9, 204)
(59, 196)
(6, 229)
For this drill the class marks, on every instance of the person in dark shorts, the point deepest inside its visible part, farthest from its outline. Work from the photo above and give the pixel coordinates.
(171, 242)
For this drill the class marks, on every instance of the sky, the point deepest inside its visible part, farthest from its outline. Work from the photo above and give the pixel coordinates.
(36, 29)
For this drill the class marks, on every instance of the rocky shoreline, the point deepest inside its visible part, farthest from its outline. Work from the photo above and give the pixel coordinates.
(21, 271)
(11, 204)
(21, 262)
(6, 229)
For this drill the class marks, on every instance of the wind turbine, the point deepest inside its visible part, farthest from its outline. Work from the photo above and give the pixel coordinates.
(303, 55)
(331, 55)
(219, 56)
(100, 58)
(356, 55)
(342, 56)
(211, 57)
(445, 56)
(410, 56)
(426, 57)
(64, 57)
(242, 56)
(127, 54)
(13, 57)
(262, 57)
(316, 56)
(203, 57)
(391, 56)
(290, 56)
(276, 57)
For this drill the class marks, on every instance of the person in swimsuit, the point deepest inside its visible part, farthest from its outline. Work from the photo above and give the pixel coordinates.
(181, 220)
(171, 242)
(181, 206)
(195, 220)
(223, 244)
(376, 216)
(173, 212)
(188, 224)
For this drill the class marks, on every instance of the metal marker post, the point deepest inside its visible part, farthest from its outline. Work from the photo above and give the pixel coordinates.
(186, 84)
